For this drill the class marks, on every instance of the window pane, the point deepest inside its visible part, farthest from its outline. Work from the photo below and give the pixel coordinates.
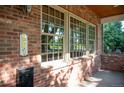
(72, 41)
(60, 55)
(50, 43)
(78, 22)
(62, 16)
(80, 47)
(74, 34)
(52, 33)
(56, 39)
(51, 20)
(60, 48)
(74, 27)
(71, 36)
(77, 36)
(82, 53)
(50, 48)
(75, 47)
(57, 14)
(45, 17)
(91, 46)
(62, 23)
(55, 44)
(51, 29)
(78, 54)
(44, 58)
(45, 28)
(75, 54)
(74, 20)
(61, 32)
(57, 22)
(60, 40)
(71, 20)
(57, 30)
(55, 56)
(45, 9)
(50, 57)
(44, 48)
(71, 54)
(72, 47)
(44, 39)
(81, 23)
(50, 39)
(51, 11)
(91, 38)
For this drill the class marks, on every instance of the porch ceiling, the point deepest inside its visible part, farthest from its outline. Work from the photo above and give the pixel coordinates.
(107, 10)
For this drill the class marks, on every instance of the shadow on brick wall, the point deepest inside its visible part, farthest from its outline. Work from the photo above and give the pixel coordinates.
(71, 75)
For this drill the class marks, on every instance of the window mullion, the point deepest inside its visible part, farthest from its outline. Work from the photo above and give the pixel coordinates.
(87, 38)
(66, 38)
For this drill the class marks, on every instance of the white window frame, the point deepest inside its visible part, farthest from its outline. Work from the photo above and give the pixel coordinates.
(66, 41)
(87, 32)
(92, 39)
(65, 28)
(71, 31)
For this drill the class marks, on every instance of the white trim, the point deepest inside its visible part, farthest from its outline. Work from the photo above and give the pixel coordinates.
(87, 31)
(81, 19)
(42, 33)
(66, 37)
(58, 8)
(112, 18)
(100, 40)
(55, 64)
(66, 30)
(90, 39)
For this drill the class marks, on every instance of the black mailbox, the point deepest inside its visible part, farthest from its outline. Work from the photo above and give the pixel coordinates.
(24, 77)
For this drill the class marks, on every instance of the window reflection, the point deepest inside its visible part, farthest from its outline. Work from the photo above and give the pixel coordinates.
(52, 34)
(78, 40)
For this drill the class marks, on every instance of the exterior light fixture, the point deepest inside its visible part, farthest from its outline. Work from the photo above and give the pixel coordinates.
(115, 5)
(27, 8)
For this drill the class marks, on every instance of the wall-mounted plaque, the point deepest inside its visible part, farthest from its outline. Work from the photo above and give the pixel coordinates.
(23, 44)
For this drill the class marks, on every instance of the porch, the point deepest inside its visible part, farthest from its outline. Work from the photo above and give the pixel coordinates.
(57, 46)
(105, 78)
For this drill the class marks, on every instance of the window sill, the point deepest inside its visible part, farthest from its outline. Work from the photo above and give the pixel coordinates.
(57, 64)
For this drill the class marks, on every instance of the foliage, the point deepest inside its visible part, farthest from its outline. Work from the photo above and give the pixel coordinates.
(113, 37)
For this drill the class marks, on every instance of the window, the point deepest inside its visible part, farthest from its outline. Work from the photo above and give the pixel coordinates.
(57, 39)
(91, 39)
(77, 38)
(52, 34)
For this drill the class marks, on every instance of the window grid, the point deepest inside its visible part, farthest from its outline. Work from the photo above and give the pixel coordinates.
(91, 39)
(77, 38)
(52, 34)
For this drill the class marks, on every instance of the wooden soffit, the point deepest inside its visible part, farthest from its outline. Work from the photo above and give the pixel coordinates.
(107, 10)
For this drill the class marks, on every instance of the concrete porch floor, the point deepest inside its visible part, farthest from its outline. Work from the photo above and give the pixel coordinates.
(105, 78)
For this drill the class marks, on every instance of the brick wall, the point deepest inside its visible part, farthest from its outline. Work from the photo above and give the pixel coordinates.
(112, 62)
(14, 21)
(71, 74)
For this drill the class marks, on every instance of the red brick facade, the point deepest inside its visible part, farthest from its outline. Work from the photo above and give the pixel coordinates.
(13, 21)
(113, 62)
